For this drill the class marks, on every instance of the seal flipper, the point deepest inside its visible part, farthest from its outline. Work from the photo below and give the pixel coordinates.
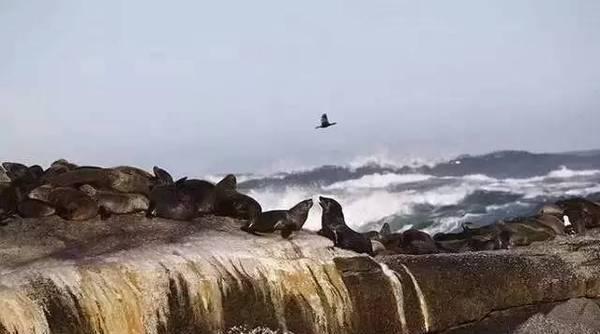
(286, 232)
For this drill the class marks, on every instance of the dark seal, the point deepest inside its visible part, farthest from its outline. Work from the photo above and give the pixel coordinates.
(231, 203)
(33, 208)
(286, 221)
(203, 193)
(171, 201)
(72, 204)
(333, 227)
(113, 202)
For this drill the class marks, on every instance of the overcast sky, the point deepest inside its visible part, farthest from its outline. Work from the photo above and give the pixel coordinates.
(217, 86)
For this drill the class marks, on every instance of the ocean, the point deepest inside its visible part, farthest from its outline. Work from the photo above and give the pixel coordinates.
(436, 197)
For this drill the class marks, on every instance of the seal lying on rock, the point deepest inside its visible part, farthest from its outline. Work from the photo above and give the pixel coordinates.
(33, 208)
(123, 179)
(417, 242)
(97, 177)
(231, 203)
(112, 202)
(471, 238)
(72, 204)
(333, 226)
(128, 179)
(171, 201)
(162, 176)
(285, 221)
(523, 231)
(15, 170)
(202, 192)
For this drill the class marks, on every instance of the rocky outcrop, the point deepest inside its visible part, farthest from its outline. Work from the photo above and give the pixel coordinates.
(129, 274)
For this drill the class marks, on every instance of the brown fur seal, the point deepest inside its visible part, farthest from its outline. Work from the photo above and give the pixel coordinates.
(228, 183)
(65, 163)
(130, 180)
(378, 235)
(112, 202)
(15, 170)
(72, 204)
(523, 231)
(162, 176)
(417, 243)
(41, 193)
(97, 177)
(552, 222)
(9, 201)
(170, 201)
(231, 203)
(123, 179)
(285, 221)
(202, 192)
(33, 208)
(471, 238)
(333, 226)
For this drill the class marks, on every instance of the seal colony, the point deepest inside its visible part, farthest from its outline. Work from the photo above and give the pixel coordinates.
(80, 193)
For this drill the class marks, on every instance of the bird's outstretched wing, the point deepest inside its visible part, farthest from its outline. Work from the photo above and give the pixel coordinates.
(324, 119)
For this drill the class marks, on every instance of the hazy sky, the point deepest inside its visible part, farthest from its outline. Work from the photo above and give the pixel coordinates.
(217, 86)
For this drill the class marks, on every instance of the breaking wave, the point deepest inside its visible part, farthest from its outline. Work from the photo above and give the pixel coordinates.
(435, 203)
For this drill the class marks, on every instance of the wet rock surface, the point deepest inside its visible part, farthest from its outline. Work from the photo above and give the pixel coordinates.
(130, 274)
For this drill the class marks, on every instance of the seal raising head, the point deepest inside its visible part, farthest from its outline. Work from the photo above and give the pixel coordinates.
(333, 226)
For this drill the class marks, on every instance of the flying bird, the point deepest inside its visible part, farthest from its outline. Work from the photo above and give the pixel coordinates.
(325, 122)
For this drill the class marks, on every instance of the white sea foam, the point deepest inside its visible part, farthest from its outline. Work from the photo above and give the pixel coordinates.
(564, 172)
(378, 181)
(369, 198)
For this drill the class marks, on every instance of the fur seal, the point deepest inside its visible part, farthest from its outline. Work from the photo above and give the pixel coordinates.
(378, 235)
(228, 183)
(77, 177)
(231, 203)
(171, 201)
(64, 163)
(128, 179)
(56, 169)
(15, 170)
(112, 202)
(72, 204)
(470, 239)
(9, 201)
(162, 176)
(123, 179)
(41, 193)
(333, 226)
(285, 221)
(417, 242)
(202, 192)
(553, 222)
(523, 231)
(33, 208)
